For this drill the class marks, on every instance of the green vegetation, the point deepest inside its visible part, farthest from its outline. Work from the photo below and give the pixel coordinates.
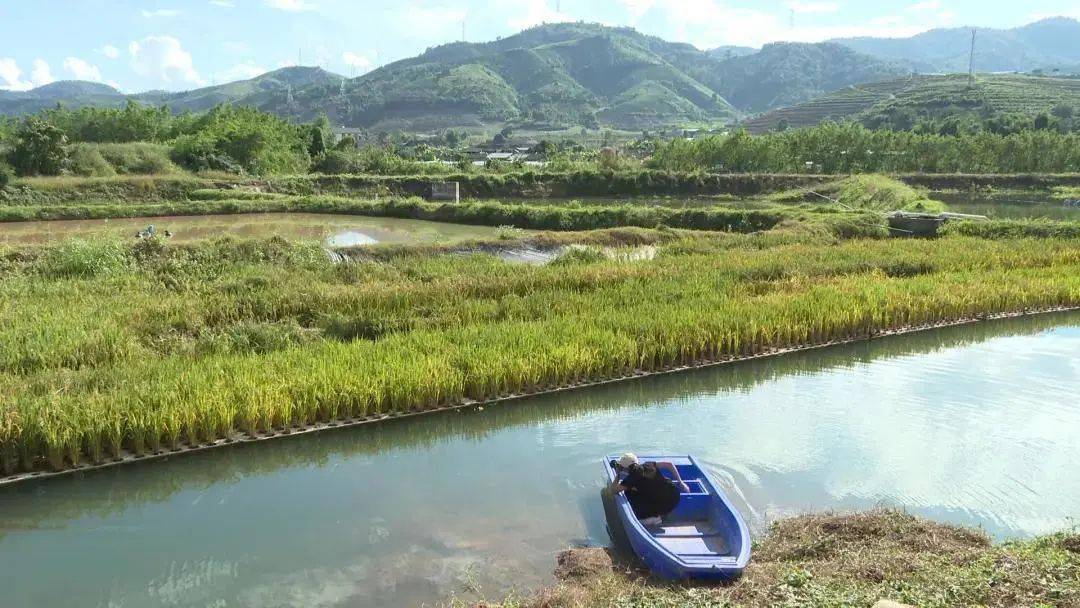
(113, 346)
(845, 560)
(865, 193)
(787, 73)
(849, 148)
(141, 140)
(1011, 229)
(998, 103)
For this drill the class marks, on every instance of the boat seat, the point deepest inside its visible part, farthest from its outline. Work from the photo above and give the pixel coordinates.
(687, 529)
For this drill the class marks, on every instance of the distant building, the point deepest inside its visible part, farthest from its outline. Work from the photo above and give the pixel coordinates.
(339, 133)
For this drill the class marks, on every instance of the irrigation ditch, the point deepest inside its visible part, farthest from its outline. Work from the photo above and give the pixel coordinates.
(752, 353)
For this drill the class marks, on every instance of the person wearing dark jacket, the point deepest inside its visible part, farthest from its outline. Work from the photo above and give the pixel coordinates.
(652, 496)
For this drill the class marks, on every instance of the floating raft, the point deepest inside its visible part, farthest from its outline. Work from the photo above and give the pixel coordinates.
(906, 223)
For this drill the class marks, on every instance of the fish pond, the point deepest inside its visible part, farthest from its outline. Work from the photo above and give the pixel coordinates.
(333, 230)
(973, 425)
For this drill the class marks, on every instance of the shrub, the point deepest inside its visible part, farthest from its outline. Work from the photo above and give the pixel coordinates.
(87, 161)
(5, 175)
(138, 158)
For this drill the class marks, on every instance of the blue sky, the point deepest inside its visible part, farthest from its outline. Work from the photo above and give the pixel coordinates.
(183, 44)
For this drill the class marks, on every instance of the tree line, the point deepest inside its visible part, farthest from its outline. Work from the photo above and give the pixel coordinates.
(243, 140)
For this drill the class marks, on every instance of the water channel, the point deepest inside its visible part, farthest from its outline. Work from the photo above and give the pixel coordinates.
(974, 425)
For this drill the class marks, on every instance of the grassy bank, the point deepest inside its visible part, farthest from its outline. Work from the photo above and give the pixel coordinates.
(524, 184)
(111, 346)
(844, 560)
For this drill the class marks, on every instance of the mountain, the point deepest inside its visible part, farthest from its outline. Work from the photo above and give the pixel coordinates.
(551, 76)
(905, 101)
(585, 74)
(1044, 45)
(75, 93)
(784, 73)
(243, 91)
(577, 74)
(730, 51)
(68, 92)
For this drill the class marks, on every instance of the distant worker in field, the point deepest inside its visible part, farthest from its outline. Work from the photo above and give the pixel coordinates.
(652, 496)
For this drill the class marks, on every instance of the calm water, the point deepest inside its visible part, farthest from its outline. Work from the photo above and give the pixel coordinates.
(334, 230)
(974, 425)
(1034, 206)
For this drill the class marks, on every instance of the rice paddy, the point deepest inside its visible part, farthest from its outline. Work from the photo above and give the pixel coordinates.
(112, 347)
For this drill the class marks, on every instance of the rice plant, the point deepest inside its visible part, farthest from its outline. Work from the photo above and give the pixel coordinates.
(96, 366)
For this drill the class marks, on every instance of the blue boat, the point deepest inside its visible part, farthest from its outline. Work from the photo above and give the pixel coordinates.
(703, 538)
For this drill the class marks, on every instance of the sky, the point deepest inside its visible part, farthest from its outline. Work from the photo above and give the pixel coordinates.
(185, 44)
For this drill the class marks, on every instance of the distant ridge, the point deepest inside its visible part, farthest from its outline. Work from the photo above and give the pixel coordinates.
(572, 75)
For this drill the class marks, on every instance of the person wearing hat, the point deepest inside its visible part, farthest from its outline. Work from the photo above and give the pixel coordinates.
(652, 496)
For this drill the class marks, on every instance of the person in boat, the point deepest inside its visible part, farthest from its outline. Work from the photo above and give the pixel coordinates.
(652, 495)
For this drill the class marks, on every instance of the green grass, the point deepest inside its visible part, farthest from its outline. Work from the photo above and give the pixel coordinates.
(111, 346)
(876, 193)
(830, 560)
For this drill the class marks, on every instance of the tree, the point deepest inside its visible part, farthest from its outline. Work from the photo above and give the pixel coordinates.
(317, 146)
(1042, 121)
(5, 175)
(346, 143)
(1063, 111)
(783, 125)
(39, 148)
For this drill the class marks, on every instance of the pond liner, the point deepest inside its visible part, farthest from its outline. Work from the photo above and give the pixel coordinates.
(240, 437)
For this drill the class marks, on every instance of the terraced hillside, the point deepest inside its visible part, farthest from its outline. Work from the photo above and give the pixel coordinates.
(915, 98)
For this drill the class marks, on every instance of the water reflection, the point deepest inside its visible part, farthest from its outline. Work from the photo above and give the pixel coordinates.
(972, 424)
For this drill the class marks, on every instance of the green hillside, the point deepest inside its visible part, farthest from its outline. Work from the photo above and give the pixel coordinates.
(553, 76)
(279, 80)
(904, 101)
(784, 74)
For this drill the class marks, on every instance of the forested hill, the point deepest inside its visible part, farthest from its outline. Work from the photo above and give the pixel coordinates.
(76, 93)
(784, 74)
(549, 76)
(904, 102)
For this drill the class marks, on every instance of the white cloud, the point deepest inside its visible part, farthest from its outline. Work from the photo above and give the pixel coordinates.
(164, 60)
(82, 69)
(110, 51)
(41, 74)
(241, 71)
(294, 6)
(11, 75)
(161, 12)
(800, 6)
(360, 63)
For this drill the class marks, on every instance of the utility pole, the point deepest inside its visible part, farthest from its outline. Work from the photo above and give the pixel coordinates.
(463, 31)
(792, 19)
(971, 61)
